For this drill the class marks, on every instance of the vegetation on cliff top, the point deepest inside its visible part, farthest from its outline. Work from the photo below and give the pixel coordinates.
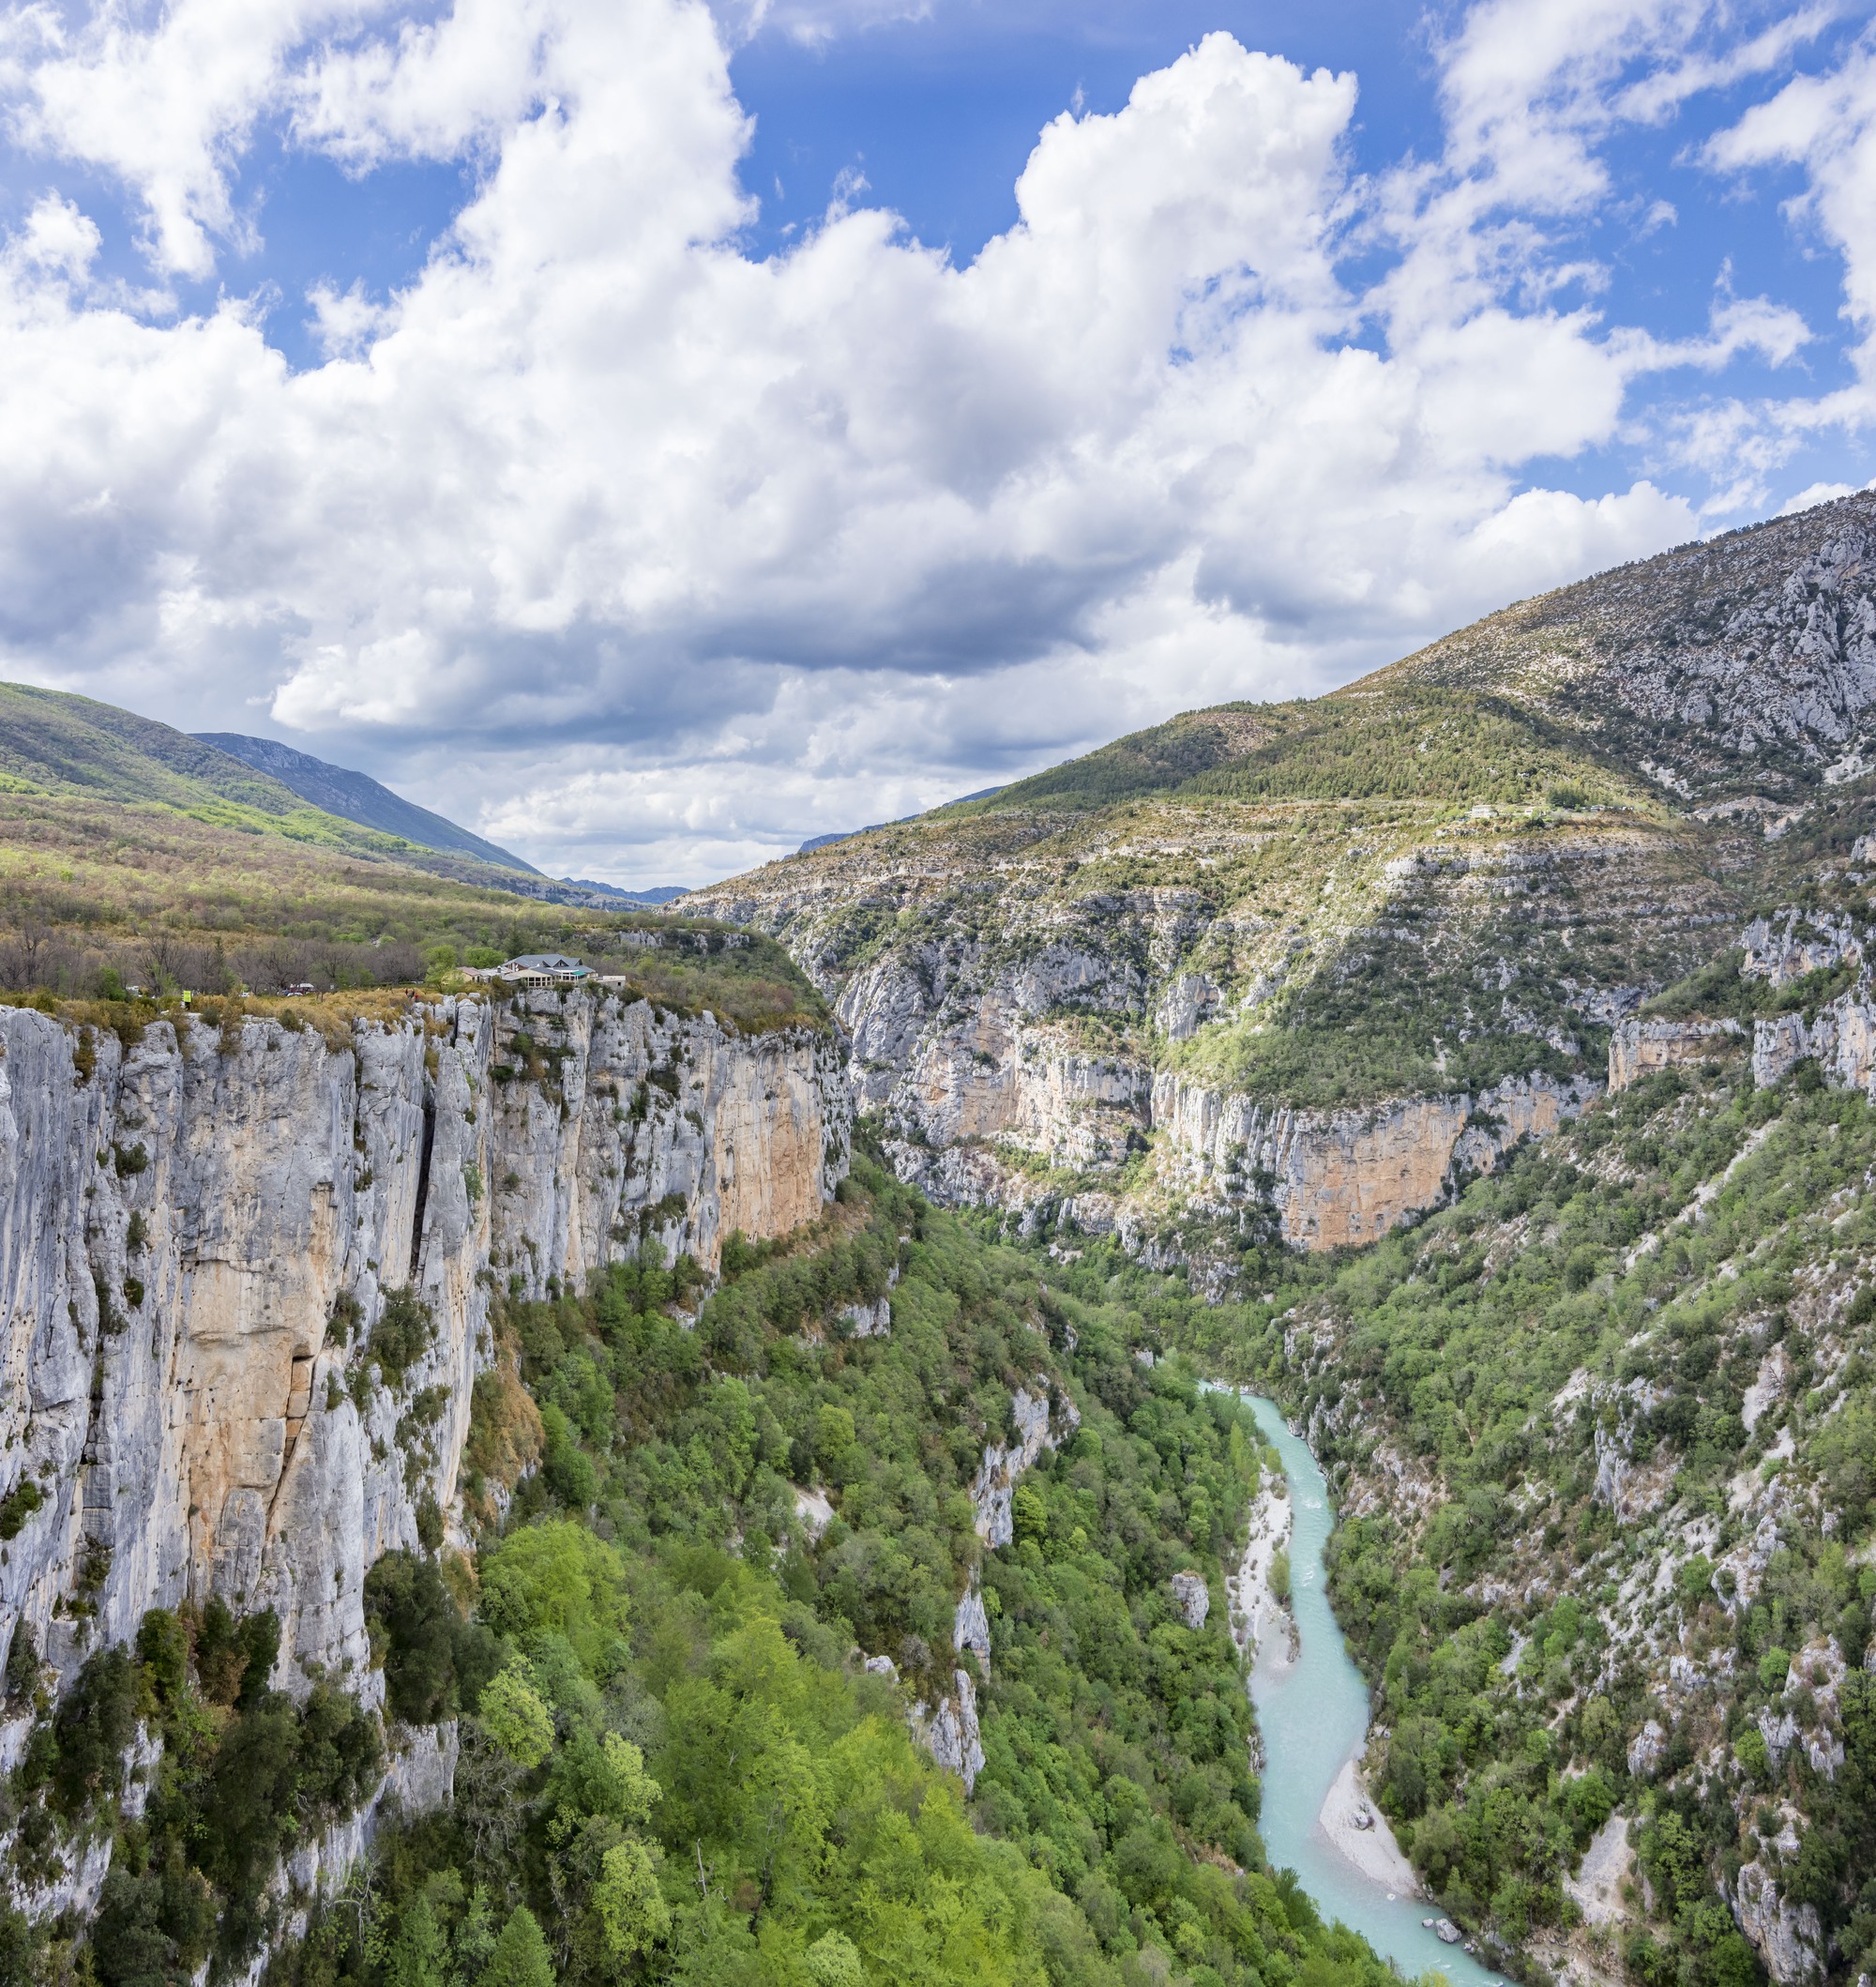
(690, 965)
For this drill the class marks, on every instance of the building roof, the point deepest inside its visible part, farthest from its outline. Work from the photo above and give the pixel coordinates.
(546, 963)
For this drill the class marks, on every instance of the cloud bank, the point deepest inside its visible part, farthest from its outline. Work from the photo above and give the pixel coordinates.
(647, 556)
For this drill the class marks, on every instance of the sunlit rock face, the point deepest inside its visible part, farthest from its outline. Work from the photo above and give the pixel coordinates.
(199, 1232)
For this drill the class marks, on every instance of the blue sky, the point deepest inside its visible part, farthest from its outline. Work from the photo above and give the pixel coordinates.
(653, 437)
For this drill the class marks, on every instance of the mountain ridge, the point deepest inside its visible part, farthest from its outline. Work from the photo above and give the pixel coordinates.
(356, 797)
(1454, 874)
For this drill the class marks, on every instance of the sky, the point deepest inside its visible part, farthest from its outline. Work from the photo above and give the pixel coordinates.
(653, 434)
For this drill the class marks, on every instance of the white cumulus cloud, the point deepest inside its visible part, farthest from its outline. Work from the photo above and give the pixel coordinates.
(649, 556)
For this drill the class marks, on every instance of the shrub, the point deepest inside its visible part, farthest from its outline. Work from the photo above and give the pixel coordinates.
(162, 1648)
(18, 1504)
(1753, 1754)
(403, 1334)
(504, 1425)
(436, 1662)
(22, 1661)
(95, 1726)
(234, 1659)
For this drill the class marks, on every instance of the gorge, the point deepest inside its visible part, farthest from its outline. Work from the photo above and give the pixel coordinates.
(738, 1469)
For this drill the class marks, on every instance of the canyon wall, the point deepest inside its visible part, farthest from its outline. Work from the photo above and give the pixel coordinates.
(201, 1230)
(1640, 1048)
(1339, 1178)
(1029, 996)
(1332, 1178)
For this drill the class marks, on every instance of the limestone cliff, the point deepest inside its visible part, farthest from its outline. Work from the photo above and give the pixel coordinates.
(200, 1232)
(1348, 1177)
(1029, 1031)
(1639, 1048)
(1330, 1177)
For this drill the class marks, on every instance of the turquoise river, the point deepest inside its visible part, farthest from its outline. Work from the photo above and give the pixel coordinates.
(1313, 1716)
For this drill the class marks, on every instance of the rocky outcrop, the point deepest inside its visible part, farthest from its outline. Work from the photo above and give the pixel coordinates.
(971, 1628)
(1335, 1178)
(950, 1732)
(1842, 1036)
(1795, 944)
(1193, 1598)
(994, 1489)
(1713, 659)
(1788, 1936)
(1647, 1751)
(1640, 1048)
(1030, 994)
(949, 1729)
(201, 1230)
(1768, 1387)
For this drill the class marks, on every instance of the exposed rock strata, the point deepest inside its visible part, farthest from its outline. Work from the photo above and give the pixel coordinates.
(1842, 1036)
(1343, 1177)
(198, 1234)
(1016, 1035)
(1640, 1048)
(1788, 1936)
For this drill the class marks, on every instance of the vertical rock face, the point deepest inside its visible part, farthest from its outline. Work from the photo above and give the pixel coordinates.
(1639, 1048)
(1842, 1036)
(612, 1122)
(1193, 1597)
(993, 1491)
(1788, 1936)
(1342, 1177)
(950, 1733)
(197, 1233)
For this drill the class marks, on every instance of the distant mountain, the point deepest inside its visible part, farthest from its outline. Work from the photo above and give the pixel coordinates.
(663, 893)
(827, 842)
(356, 797)
(71, 748)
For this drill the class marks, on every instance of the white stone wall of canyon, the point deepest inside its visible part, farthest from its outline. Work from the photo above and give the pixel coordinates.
(963, 1103)
(197, 1233)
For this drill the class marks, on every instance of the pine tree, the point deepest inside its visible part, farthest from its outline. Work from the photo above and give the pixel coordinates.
(520, 1958)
